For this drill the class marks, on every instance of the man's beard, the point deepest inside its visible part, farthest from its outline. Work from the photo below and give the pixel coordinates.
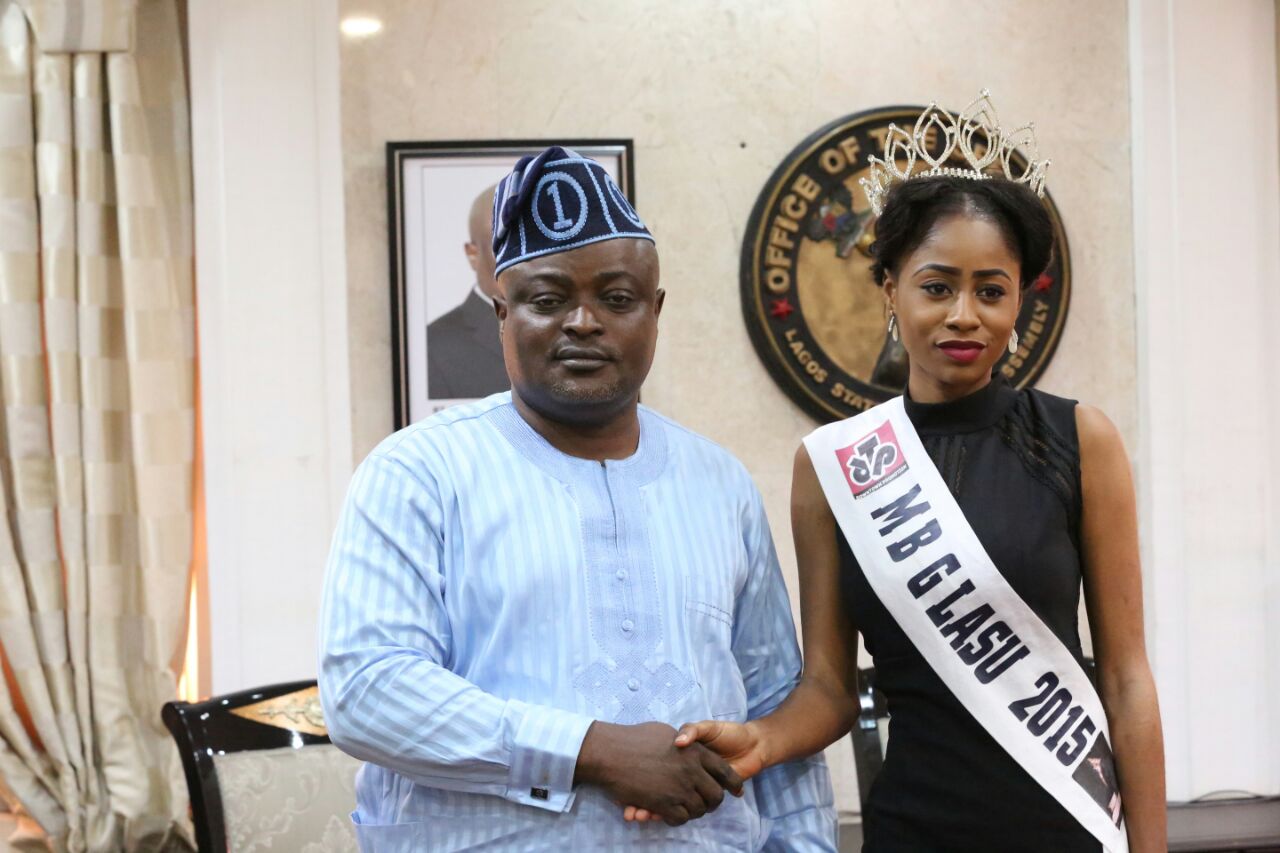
(572, 392)
(578, 400)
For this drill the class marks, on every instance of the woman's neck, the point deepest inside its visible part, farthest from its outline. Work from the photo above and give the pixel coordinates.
(926, 389)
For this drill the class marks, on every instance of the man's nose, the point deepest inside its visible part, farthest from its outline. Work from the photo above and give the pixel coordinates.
(582, 321)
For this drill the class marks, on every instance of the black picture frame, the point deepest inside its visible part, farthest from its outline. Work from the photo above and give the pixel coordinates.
(400, 157)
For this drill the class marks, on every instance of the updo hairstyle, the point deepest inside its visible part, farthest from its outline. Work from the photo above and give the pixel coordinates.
(912, 208)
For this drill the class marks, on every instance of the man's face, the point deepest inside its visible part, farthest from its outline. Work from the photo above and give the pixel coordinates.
(579, 328)
(480, 256)
(479, 247)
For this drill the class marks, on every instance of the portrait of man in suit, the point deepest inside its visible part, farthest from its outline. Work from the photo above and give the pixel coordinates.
(464, 355)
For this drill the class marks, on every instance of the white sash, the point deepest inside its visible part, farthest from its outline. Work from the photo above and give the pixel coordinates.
(1000, 660)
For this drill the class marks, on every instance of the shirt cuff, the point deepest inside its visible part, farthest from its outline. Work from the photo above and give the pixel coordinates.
(544, 757)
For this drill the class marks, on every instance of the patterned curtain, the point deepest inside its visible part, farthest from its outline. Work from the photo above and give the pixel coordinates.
(96, 416)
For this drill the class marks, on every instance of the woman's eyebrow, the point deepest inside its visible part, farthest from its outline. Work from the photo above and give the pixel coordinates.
(943, 268)
(938, 268)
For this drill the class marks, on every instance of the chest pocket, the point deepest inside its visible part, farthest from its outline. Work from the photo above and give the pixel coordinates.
(709, 622)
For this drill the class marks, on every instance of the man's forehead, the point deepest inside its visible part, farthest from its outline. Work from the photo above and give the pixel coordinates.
(608, 259)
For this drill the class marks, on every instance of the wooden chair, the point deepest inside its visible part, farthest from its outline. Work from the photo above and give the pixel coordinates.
(869, 733)
(260, 768)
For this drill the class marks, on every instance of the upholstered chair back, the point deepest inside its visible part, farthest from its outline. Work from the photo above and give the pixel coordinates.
(262, 773)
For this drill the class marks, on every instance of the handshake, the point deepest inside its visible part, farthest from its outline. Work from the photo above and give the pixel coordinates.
(659, 774)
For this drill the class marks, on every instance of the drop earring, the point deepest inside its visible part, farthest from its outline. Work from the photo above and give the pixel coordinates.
(893, 325)
(1013, 342)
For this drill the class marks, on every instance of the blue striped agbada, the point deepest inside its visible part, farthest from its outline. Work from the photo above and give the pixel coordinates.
(488, 597)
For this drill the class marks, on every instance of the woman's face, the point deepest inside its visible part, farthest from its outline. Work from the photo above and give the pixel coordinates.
(956, 298)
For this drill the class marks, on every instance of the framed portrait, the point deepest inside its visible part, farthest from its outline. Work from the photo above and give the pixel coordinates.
(444, 331)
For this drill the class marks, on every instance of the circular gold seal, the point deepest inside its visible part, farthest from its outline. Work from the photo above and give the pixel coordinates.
(814, 313)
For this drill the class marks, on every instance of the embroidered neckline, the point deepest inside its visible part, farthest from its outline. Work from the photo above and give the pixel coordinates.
(979, 410)
(642, 467)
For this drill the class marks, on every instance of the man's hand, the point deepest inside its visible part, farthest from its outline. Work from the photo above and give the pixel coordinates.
(738, 743)
(641, 765)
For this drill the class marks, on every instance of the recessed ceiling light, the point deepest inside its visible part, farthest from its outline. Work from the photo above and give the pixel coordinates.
(360, 26)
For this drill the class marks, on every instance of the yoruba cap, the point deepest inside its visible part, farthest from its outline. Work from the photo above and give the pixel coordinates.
(557, 201)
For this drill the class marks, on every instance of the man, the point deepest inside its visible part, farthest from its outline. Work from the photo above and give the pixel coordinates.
(464, 356)
(527, 594)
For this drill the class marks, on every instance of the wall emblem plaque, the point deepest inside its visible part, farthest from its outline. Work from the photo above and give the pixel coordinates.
(814, 313)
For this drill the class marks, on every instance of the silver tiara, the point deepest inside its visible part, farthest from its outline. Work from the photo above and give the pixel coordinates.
(975, 134)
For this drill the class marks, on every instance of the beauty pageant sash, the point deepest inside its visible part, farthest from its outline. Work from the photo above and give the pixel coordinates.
(1000, 660)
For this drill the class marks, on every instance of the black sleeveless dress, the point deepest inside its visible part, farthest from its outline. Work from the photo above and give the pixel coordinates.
(1012, 460)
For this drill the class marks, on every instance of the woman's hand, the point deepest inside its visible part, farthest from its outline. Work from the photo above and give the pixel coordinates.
(738, 743)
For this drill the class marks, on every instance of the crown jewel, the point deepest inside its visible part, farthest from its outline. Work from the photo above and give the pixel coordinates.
(974, 135)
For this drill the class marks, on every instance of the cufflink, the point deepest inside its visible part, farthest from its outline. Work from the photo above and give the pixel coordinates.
(538, 793)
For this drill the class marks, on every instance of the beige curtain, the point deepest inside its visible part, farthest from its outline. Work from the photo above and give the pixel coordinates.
(96, 427)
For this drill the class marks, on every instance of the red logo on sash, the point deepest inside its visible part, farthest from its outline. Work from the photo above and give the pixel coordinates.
(872, 460)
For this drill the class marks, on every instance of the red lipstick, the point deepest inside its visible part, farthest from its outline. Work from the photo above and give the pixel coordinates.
(964, 352)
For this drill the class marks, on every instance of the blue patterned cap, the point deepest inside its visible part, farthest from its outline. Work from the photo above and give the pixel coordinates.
(557, 201)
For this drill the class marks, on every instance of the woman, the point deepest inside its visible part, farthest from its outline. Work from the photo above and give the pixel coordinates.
(1045, 485)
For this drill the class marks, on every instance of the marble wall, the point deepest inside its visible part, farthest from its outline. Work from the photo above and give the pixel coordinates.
(715, 94)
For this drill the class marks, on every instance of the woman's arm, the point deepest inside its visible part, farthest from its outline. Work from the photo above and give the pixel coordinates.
(1113, 597)
(824, 704)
